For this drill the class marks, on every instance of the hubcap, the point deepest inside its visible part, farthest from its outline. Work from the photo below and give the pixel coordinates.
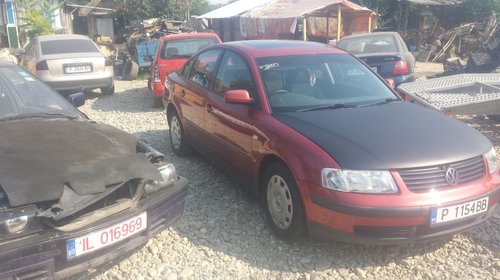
(279, 202)
(175, 132)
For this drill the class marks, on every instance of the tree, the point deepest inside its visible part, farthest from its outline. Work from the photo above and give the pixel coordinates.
(33, 17)
(171, 9)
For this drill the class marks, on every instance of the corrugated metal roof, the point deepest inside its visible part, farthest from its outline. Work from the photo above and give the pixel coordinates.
(298, 8)
(435, 2)
(234, 9)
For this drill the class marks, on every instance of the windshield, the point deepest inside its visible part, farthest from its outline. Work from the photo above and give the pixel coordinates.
(301, 82)
(21, 94)
(185, 48)
(369, 44)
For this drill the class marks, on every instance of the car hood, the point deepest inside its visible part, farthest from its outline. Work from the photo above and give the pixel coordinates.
(40, 156)
(390, 136)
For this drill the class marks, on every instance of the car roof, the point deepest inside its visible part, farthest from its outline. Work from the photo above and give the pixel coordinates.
(267, 48)
(373, 34)
(187, 35)
(43, 38)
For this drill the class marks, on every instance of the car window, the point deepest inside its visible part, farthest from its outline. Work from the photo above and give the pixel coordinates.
(234, 73)
(204, 67)
(187, 68)
(68, 46)
(184, 48)
(305, 81)
(369, 44)
(21, 93)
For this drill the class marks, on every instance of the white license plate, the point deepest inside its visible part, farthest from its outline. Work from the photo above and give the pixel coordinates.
(106, 237)
(374, 69)
(459, 211)
(77, 69)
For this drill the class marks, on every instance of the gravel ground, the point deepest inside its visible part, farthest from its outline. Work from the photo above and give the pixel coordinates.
(223, 234)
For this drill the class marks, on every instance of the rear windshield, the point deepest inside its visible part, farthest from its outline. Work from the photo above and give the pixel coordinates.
(185, 48)
(68, 46)
(370, 44)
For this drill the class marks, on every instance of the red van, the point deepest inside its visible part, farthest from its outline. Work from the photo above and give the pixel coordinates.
(171, 54)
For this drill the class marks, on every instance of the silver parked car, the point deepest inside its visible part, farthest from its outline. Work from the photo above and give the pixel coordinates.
(69, 62)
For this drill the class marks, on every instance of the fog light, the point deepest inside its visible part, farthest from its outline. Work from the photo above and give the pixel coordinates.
(16, 225)
(169, 176)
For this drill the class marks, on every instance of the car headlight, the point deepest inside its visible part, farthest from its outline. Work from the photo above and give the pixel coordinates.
(359, 181)
(16, 225)
(491, 157)
(168, 175)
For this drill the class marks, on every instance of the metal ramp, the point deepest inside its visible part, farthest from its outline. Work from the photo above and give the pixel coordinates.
(464, 94)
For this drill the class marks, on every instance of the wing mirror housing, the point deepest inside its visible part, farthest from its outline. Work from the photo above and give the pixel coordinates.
(77, 99)
(238, 96)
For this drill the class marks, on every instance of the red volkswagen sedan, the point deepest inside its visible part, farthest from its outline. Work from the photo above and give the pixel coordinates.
(330, 148)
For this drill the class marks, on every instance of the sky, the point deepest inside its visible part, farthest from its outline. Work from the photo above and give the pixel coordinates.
(218, 1)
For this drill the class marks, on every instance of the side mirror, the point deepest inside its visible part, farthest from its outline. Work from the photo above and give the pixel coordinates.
(77, 99)
(238, 96)
(391, 83)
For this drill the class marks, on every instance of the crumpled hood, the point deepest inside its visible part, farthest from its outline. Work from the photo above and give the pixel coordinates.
(39, 156)
(390, 136)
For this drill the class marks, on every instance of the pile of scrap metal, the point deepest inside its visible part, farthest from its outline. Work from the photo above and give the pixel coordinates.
(468, 48)
(139, 44)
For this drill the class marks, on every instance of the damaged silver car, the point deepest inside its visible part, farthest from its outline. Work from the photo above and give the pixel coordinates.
(73, 193)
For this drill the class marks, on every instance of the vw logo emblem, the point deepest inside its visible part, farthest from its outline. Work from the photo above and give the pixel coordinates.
(452, 176)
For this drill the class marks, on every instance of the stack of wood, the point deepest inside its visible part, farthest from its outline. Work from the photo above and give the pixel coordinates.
(476, 43)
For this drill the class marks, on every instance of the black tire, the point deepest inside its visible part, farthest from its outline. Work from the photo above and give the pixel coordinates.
(157, 102)
(177, 136)
(130, 70)
(108, 90)
(282, 203)
(495, 118)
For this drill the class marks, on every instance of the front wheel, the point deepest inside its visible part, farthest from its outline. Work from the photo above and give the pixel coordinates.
(282, 203)
(177, 136)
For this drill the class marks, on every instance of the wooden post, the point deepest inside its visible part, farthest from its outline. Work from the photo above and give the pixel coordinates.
(370, 23)
(327, 30)
(339, 21)
(304, 28)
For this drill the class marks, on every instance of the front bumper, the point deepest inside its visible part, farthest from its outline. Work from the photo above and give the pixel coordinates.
(44, 256)
(387, 225)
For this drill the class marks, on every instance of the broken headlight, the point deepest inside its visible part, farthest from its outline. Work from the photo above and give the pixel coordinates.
(18, 220)
(169, 176)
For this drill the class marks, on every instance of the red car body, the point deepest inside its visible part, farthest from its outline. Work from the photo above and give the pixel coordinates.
(172, 52)
(283, 154)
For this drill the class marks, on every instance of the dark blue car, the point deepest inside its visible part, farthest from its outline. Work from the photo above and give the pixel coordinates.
(385, 52)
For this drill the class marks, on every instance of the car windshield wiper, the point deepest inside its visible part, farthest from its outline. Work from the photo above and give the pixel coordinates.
(38, 115)
(329, 106)
(384, 101)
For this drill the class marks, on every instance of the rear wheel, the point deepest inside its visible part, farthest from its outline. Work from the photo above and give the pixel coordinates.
(108, 90)
(157, 102)
(282, 203)
(177, 136)
(130, 70)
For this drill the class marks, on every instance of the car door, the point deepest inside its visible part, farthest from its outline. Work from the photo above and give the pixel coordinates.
(231, 126)
(193, 92)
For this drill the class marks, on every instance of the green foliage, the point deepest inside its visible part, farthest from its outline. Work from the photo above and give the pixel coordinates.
(32, 15)
(171, 9)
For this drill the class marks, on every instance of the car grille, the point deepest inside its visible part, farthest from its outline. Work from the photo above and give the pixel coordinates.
(434, 177)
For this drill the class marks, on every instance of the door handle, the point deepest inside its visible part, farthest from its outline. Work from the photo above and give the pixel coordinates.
(183, 93)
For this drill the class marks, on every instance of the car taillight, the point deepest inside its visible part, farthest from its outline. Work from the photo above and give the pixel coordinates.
(156, 74)
(42, 65)
(108, 62)
(400, 67)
